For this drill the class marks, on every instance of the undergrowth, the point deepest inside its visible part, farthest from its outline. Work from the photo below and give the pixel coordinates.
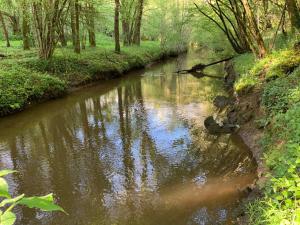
(255, 72)
(24, 78)
(278, 77)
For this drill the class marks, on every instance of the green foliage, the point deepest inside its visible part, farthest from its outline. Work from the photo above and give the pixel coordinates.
(281, 203)
(20, 86)
(24, 78)
(207, 34)
(278, 64)
(7, 217)
(246, 81)
(96, 63)
(279, 95)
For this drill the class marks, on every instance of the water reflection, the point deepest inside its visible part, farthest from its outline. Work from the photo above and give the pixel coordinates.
(128, 152)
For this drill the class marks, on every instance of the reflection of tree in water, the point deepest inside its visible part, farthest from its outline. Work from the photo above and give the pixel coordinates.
(101, 157)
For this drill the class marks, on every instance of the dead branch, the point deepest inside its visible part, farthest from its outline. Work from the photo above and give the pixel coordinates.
(200, 66)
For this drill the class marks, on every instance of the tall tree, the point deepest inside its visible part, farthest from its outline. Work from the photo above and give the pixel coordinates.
(25, 25)
(90, 21)
(117, 26)
(46, 15)
(138, 23)
(5, 32)
(77, 27)
(293, 13)
(253, 27)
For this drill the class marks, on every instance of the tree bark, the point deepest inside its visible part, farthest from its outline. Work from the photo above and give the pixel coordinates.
(117, 26)
(90, 18)
(293, 13)
(73, 22)
(25, 26)
(5, 32)
(77, 26)
(254, 29)
(46, 18)
(138, 23)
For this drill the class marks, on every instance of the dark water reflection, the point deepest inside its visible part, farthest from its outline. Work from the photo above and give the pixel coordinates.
(128, 152)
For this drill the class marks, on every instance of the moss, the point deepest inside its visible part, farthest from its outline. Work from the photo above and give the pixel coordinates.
(277, 64)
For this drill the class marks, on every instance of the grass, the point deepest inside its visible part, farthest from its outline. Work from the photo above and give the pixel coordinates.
(24, 78)
(278, 78)
(256, 72)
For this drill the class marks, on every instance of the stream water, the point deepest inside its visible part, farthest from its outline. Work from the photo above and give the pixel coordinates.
(131, 151)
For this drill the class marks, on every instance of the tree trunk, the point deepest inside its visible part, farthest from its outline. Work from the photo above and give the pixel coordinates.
(15, 25)
(293, 13)
(5, 32)
(267, 21)
(83, 40)
(46, 18)
(117, 26)
(125, 29)
(253, 27)
(91, 25)
(73, 22)
(25, 27)
(138, 23)
(77, 26)
(62, 36)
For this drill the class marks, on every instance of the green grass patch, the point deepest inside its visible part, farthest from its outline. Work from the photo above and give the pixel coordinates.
(95, 63)
(245, 81)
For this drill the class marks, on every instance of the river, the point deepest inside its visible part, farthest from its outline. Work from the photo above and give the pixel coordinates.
(130, 151)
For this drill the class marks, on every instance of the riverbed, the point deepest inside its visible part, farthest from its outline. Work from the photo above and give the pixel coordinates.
(130, 151)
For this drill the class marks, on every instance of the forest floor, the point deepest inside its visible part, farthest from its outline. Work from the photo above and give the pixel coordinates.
(25, 79)
(268, 92)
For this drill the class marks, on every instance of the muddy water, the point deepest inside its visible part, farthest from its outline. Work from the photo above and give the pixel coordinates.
(131, 151)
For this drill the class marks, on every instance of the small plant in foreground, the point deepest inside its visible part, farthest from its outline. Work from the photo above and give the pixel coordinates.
(7, 217)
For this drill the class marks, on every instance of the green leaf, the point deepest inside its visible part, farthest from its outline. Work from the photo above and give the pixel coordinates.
(6, 172)
(4, 188)
(11, 200)
(45, 203)
(7, 218)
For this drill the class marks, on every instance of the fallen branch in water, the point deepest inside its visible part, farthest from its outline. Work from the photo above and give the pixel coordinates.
(201, 74)
(200, 67)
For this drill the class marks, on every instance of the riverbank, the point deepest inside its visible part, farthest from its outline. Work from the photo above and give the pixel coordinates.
(268, 110)
(26, 79)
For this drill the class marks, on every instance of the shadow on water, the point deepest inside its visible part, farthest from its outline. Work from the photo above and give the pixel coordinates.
(131, 151)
